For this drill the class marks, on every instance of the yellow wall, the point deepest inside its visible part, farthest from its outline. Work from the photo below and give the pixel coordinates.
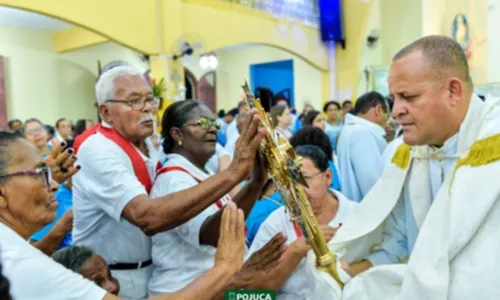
(41, 83)
(218, 24)
(401, 23)
(477, 15)
(371, 57)
(129, 22)
(234, 68)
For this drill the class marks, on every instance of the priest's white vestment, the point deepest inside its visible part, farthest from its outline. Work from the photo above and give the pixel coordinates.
(455, 255)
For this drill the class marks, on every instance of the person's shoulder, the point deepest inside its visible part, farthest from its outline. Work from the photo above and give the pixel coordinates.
(491, 121)
(277, 216)
(98, 144)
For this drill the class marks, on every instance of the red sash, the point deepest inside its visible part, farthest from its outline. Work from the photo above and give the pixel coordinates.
(219, 202)
(296, 227)
(140, 168)
(82, 137)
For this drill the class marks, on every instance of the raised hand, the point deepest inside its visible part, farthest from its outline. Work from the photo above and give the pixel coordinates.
(267, 257)
(246, 147)
(61, 162)
(231, 245)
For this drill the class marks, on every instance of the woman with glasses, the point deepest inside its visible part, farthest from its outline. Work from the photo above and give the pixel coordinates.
(181, 254)
(330, 208)
(27, 204)
(35, 132)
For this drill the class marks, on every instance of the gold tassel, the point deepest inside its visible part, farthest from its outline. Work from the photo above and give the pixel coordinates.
(482, 152)
(402, 156)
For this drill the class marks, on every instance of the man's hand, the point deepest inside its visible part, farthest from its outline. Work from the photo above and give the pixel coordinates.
(259, 263)
(61, 162)
(231, 245)
(246, 147)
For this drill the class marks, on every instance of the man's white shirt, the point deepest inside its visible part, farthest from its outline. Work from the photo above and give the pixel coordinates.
(299, 284)
(102, 188)
(361, 144)
(33, 275)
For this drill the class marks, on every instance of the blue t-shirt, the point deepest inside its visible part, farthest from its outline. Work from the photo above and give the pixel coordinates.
(335, 178)
(64, 197)
(259, 213)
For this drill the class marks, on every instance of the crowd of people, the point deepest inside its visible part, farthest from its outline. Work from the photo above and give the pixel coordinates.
(114, 209)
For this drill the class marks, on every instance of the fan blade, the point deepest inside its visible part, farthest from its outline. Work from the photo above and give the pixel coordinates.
(197, 45)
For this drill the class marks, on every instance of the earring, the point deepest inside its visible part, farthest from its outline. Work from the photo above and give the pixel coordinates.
(180, 143)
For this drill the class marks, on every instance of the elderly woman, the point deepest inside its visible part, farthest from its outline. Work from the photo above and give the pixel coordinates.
(90, 265)
(27, 204)
(330, 209)
(181, 254)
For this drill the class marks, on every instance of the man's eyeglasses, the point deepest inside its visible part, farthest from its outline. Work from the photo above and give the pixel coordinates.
(205, 124)
(138, 103)
(43, 170)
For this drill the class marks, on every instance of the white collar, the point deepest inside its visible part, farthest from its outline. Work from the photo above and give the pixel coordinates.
(351, 119)
(151, 149)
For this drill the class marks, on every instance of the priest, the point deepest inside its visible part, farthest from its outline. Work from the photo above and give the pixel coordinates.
(427, 229)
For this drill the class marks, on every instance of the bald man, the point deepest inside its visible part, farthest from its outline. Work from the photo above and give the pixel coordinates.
(427, 229)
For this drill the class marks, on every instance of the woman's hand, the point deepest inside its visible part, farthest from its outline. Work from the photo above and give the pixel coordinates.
(231, 245)
(61, 162)
(247, 147)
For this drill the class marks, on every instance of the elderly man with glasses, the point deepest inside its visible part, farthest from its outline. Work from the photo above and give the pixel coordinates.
(112, 210)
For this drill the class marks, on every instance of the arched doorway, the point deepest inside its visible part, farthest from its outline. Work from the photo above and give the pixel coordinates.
(191, 84)
(206, 90)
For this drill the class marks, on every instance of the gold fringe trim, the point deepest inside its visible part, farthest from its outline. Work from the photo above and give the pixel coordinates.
(401, 157)
(482, 152)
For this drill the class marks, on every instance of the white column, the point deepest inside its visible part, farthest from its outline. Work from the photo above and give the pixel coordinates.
(333, 77)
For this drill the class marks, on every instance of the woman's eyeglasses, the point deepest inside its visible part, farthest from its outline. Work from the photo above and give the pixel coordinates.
(205, 124)
(44, 170)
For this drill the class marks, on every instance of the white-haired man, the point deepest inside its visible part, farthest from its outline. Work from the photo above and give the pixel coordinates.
(112, 211)
(437, 205)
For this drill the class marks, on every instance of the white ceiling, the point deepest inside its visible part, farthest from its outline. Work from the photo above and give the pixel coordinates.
(10, 17)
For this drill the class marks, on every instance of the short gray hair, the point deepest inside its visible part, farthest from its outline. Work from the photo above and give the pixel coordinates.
(105, 86)
(74, 257)
(443, 54)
